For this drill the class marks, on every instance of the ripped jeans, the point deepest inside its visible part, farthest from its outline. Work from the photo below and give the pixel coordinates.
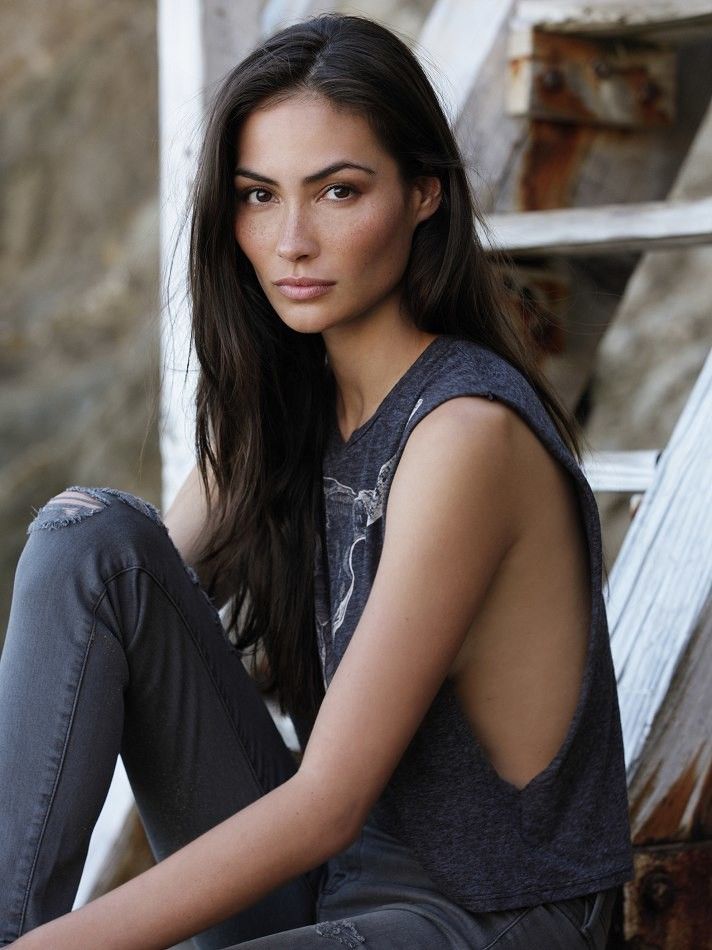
(113, 647)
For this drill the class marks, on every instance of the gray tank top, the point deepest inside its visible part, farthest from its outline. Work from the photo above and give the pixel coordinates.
(484, 843)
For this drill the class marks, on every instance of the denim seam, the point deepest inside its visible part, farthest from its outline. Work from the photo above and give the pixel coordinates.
(58, 776)
(506, 930)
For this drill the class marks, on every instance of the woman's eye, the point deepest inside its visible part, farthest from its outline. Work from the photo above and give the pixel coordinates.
(341, 188)
(255, 191)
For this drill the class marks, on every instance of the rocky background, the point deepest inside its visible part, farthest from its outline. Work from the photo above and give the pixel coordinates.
(79, 256)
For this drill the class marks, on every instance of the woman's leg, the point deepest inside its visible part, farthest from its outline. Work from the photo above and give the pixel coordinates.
(112, 646)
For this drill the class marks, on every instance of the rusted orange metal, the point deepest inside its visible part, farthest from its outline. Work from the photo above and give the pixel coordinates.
(551, 164)
(669, 904)
(601, 82)
(539, 296)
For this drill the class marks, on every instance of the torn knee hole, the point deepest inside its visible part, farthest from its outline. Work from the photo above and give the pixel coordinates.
(68, 507)
(74, 501)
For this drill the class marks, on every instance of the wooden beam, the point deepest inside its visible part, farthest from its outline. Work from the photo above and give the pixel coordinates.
(670, 791)
(662, 577)
(621, 471)
(650, 226)
(667, 21)
(198, 41)
(454, 46)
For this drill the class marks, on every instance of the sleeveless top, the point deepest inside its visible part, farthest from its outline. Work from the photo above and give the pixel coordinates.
(485, 844)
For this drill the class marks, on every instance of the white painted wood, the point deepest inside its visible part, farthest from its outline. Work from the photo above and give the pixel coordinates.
(454, 45)
(198, 42)
(647, 226)
(620, 471)
(662, 576)
(181, 102)
(667, 20)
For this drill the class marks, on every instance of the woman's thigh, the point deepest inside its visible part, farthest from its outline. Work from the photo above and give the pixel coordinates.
(578, 924)
(395, 927)
(113, 637)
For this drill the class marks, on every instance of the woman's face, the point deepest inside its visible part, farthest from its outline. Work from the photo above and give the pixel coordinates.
(301, 212)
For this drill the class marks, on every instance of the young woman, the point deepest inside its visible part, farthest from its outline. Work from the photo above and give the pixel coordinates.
(391, 495)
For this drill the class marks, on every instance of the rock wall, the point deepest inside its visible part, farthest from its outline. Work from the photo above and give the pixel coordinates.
(79, 256)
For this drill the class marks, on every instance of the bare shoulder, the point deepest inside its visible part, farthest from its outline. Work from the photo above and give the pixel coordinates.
(469, 423)
(487, 447)
(457, 472)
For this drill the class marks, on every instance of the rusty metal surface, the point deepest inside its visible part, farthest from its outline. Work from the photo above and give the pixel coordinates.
(669, 904)
(552, 162)
(599, 82)
(539, 296)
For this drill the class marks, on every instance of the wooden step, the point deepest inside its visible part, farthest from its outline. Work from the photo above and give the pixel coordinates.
(620, 471)
(608, 229)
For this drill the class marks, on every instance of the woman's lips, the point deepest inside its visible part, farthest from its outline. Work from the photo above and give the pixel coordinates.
(295, 292)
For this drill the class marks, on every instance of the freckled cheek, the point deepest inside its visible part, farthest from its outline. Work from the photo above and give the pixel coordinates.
(380, 246)
(253, 238)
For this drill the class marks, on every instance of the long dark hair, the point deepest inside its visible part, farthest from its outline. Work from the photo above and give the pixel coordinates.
(263, 389)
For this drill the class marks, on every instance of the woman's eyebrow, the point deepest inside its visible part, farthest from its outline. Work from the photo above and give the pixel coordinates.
(310, 179)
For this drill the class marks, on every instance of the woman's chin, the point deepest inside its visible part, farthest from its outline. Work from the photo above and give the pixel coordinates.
(303, 321)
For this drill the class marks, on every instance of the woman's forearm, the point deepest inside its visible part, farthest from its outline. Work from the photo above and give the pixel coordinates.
(273, 840)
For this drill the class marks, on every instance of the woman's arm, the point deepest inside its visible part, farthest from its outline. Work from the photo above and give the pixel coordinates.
(449, 524)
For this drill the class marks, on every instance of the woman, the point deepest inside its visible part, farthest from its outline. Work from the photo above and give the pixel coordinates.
(462, 780)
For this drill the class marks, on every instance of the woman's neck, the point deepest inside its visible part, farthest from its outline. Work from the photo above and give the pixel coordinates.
(367, 363)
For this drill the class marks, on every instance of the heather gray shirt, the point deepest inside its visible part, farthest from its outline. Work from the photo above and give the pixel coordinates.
(486, 844)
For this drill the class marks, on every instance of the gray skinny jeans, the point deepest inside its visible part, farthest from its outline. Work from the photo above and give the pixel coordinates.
(114, 647)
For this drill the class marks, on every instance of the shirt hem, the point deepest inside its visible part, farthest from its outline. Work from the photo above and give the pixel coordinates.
(484, 903)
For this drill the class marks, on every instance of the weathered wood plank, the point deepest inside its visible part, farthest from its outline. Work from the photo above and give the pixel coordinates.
(662, 577)
(650, 226)
(198, 41)
(620, 471)
(679, 21)
(457, 39)
(671, 788)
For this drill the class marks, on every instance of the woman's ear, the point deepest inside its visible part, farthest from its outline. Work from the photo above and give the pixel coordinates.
(427, 194)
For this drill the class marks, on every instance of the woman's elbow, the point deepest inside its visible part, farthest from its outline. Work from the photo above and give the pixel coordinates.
(337, 818)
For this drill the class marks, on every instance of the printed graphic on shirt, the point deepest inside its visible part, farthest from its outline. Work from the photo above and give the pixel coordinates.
(348, 514)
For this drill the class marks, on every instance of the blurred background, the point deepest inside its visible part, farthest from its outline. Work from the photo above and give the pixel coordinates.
(81, 204)
(79, 257)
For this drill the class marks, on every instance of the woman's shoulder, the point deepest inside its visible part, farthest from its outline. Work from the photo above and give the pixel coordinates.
(469, 368)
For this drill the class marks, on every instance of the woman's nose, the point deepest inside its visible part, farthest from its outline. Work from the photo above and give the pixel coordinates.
(296, 236)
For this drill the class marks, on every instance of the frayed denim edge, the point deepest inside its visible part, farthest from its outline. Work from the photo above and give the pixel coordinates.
(59, 522)
(342, 930)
